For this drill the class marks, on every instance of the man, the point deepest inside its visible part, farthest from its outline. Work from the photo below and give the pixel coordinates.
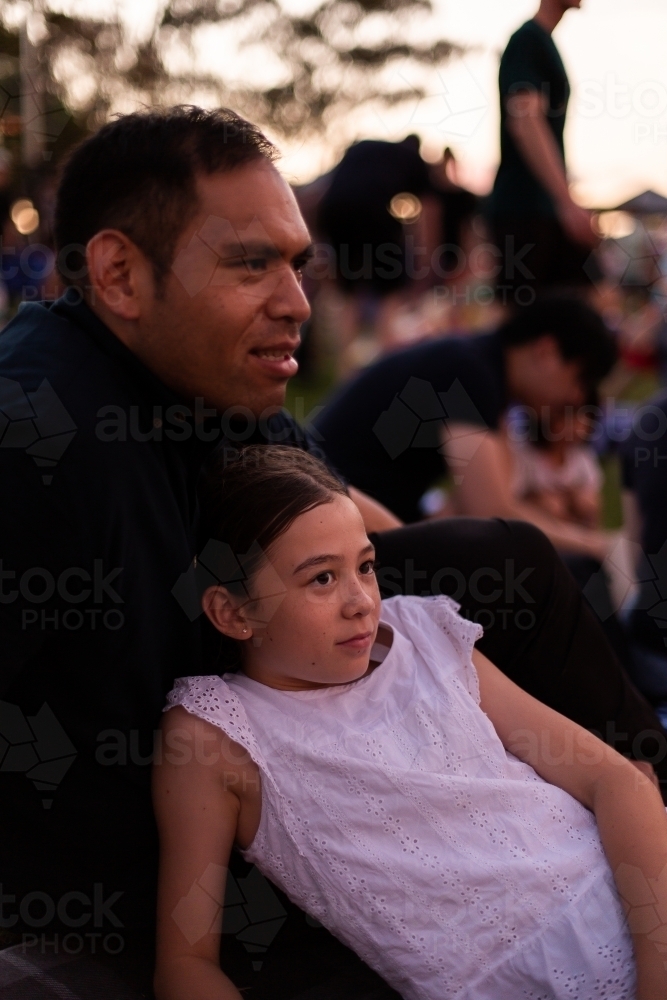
(543, 236)
(183, 248)
(389, 429)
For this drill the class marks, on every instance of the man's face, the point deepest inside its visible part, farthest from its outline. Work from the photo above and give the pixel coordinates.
(540, 376)
(228, 322)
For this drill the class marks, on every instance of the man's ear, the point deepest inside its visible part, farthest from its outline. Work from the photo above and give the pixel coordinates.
(223, 613)
(118, 272)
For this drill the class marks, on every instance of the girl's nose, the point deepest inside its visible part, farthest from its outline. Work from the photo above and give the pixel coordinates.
(359, 601)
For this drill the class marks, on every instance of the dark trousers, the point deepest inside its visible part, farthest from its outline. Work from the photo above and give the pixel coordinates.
(537, 255)
(538, 630)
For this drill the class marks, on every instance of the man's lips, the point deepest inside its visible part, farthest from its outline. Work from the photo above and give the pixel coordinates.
(360, 641)
(276, 361)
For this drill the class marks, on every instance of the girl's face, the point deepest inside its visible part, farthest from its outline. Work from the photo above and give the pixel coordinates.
(314, 604)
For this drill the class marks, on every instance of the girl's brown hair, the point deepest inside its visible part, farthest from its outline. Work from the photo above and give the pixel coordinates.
(246, 503)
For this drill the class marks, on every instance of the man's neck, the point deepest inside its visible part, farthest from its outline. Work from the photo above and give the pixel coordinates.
(549, 14)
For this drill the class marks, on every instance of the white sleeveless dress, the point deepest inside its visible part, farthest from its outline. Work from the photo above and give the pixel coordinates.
(392, 813)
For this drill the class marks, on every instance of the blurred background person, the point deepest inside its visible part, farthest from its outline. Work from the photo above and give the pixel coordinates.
(404, 421)
(555, 468)
(458, 207)
(382, 219)
(543, 236)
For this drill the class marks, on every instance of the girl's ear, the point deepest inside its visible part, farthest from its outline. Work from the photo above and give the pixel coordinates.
(223, 613)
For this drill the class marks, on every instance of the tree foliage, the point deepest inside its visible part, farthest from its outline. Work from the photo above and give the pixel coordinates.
(327, 61)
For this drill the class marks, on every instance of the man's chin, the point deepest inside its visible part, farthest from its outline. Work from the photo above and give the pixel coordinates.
(260, 402)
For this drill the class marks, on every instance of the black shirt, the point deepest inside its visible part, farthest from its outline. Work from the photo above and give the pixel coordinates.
(98, 517)
(645, 473)
(531, 61)
(384, 429)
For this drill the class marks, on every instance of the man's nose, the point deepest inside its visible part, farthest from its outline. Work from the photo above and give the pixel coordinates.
(288, 300)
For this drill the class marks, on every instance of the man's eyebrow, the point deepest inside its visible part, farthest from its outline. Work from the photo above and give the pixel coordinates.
(318, 560)
(303, 256)
(253, 248)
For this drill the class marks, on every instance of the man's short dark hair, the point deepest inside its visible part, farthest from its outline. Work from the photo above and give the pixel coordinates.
(138, 174)
(580, 332)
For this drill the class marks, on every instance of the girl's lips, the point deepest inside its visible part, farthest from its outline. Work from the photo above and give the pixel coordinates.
(276, 362)
(361, 641)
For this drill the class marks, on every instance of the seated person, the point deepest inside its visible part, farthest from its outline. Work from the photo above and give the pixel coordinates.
(382, 771)
(182, 248)
(395, 428)
(557, 470)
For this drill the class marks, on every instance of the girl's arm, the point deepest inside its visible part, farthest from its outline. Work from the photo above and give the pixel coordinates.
(630, 814)
(197, 813)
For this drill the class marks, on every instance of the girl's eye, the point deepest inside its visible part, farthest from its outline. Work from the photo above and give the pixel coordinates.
(324, 578)
(367, 568)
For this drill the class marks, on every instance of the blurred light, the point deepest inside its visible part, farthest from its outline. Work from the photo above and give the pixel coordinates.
(25, 216)
(615, 225)
(405, 207)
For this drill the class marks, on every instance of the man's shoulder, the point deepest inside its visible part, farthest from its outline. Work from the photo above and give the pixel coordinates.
(39, 343)
(528, 42)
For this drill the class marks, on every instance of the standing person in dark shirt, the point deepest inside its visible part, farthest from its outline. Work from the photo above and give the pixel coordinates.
(183, 249)
(543, 236)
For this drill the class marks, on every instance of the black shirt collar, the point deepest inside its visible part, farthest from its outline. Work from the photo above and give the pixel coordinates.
(151, 389)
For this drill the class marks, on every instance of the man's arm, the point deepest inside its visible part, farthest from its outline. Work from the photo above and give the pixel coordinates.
(481, 466)
(630, 814)
(376, 517)
(527, 124)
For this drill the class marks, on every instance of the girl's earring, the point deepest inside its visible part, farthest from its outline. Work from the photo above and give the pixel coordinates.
(245, 629)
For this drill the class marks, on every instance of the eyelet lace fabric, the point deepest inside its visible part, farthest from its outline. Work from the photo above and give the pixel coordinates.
(392, 813)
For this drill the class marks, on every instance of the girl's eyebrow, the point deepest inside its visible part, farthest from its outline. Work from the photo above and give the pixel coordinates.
(317, 560)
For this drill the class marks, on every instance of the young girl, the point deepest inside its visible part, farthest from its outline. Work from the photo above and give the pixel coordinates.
(464, 839)
(559, 471)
